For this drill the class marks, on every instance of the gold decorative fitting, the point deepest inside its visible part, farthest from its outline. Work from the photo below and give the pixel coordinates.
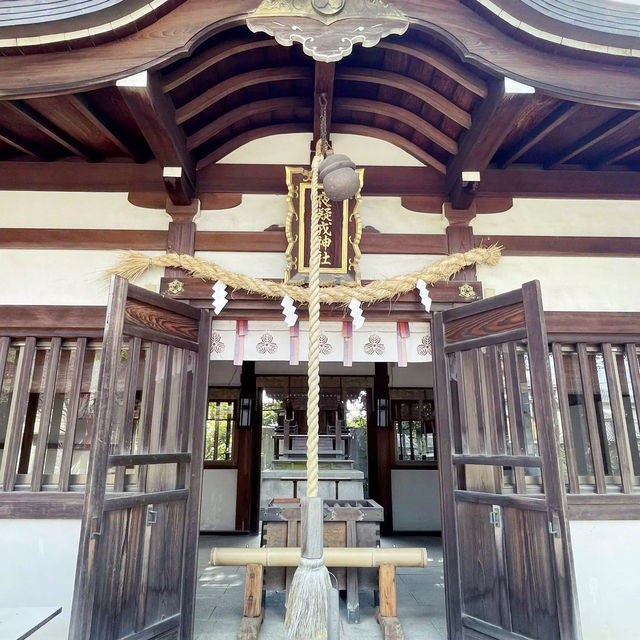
(175, 287)
(466, 291)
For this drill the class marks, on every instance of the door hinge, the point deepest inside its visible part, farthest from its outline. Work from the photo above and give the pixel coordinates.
(96, 526)
(495, 517)
(553, 530)
(152, 516)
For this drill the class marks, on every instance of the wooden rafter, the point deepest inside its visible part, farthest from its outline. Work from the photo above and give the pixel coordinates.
(493, 119)
(154, 113)
(237, 82)
(401, 115)
(240, 113)
(210, 57)
(443, 63)
(592, 138)
(394, 138)
(556, 118)
(106, 127)
(324, 74)
(619, 154)
(52, 130)
(413, 87)
(17, 142)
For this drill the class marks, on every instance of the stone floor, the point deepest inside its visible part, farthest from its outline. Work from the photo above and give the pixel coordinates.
(421, 607)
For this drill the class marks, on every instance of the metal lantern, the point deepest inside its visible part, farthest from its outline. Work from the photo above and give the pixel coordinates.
(338, 177)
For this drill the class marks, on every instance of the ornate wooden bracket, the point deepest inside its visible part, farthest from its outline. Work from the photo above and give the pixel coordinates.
(328, 29)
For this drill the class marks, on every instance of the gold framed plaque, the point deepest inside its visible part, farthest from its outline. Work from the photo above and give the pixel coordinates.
(340, 230)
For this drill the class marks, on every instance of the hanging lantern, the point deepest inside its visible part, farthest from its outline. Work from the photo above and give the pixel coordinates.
(339, 180)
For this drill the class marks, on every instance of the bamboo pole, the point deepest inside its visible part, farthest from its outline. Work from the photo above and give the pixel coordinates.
(334, 556)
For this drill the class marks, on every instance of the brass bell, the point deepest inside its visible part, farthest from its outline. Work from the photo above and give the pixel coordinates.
(340, 181)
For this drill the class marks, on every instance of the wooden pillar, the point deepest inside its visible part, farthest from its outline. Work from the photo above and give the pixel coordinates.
(181, 237)
(381, 448)
(460, 237)
(247, 446)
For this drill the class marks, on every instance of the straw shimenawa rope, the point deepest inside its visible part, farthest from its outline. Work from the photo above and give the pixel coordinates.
(134, 264)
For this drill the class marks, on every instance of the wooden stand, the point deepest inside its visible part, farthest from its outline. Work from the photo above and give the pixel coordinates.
(252, 613)
(387, 613)
(386, 559)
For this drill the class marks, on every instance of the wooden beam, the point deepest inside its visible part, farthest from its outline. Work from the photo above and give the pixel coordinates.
(592, 138)
(203, 61)
(248, 110)
(443, 63)
(324, 73)
(28, 238)
(557, 117)
(410, 86)
(401, 115)
(570, 246)
(106, 127)
(378, 181)
(154, 113)
(235, 83)
(493, 120)
(50, 129)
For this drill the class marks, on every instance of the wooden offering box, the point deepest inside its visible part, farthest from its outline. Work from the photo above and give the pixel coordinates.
(347, 523)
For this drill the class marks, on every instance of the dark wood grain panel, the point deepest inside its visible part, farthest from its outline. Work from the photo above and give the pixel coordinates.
(481, 583)
(161, 320)
(529, 562)
(593, 323)
(488, 323)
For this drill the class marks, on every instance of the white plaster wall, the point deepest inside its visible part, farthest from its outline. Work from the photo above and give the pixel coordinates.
(570, 284)
(38, 561)
(218, 505)
(606, 555)
(415, 496)
(64, 277)
(294, 148)
(546, 217)
(59, 210)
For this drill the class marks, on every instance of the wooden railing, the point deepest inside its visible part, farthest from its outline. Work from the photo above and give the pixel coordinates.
(49, 362)
(596, 375)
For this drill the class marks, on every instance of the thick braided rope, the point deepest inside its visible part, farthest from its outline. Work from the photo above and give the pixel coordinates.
(134, 264)
(313, 374)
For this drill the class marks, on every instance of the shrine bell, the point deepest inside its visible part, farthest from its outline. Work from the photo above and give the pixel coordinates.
(340, 181)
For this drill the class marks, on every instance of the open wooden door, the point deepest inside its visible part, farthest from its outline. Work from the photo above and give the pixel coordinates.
(136, 568)
(506, 538)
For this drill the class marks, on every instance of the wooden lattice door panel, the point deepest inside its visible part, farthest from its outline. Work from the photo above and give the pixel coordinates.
(137, 559)
(507, 547)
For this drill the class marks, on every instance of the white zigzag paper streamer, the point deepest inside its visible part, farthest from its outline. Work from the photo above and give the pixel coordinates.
(421, 286)
(355, 307)
(289, 311)
(219, 296)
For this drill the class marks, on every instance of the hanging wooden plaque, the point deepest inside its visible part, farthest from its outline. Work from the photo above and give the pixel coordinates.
(340, 231)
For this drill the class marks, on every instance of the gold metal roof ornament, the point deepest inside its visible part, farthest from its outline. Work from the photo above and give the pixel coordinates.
(328, 29)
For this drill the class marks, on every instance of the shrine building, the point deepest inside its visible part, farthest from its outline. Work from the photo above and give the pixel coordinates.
(162, 167)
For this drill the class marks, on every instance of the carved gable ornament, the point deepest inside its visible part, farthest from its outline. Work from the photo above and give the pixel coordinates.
(328, 29)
